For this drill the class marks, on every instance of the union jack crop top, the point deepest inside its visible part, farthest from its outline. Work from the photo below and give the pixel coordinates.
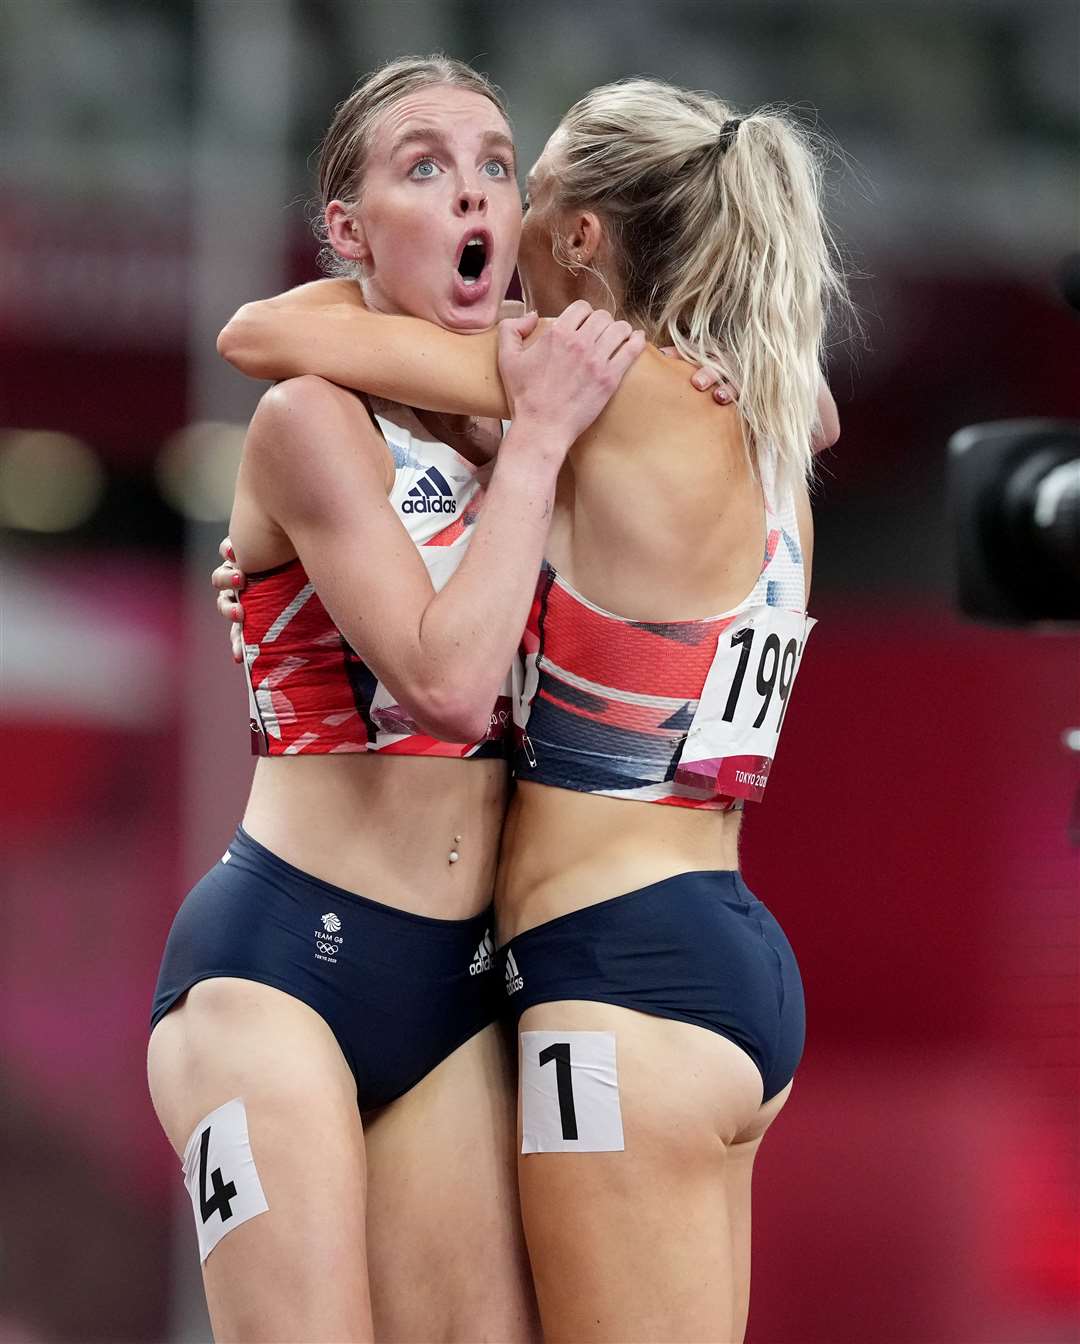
(683, 713)
(308, 692)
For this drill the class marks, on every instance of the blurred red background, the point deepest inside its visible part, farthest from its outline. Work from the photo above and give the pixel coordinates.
(924, 1183)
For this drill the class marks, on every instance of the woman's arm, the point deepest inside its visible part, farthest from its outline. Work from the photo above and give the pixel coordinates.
(828, 426)
(324, 328)
(316, 465)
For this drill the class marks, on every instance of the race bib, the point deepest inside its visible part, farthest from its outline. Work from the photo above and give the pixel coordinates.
(731, 742)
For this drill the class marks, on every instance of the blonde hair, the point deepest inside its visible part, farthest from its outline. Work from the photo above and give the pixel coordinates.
(344, 149)
(719, 242)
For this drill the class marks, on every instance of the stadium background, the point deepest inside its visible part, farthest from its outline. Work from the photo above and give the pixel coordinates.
(155, 164)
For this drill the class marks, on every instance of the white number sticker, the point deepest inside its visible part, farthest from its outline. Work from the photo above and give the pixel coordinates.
(220, 1175)
(732, 740)
(570, 1093)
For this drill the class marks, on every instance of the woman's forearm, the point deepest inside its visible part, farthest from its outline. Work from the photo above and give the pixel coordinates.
(827, 430)
(474, 624)
(401, 358)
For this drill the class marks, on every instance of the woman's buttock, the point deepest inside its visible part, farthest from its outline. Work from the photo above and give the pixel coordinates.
(419, 833)
(563, 851)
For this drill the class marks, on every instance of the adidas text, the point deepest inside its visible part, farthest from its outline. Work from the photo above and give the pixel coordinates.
(436, 505)
(484, 956)
(432, 493)
(514, 979)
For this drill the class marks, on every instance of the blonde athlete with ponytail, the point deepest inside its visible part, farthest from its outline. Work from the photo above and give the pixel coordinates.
(659, 1005)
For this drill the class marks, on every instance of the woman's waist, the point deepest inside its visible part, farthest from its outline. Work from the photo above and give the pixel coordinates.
(418, 833)
(564, 850)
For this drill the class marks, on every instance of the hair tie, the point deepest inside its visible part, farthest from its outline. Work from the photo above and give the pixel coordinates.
(727, 133)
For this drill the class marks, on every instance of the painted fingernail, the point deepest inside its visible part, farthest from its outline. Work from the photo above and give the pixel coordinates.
(700, 381)
(230, 553)
(236, 580)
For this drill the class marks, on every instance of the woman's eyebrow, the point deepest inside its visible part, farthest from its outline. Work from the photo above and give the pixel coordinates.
(434, 138)
(427, 135)
(499, 140)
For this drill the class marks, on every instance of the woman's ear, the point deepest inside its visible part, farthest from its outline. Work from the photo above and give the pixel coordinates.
(345, 235)
(584, 238)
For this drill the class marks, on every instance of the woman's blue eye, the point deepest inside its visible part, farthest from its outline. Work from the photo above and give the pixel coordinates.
(423, 164)
(500, 168)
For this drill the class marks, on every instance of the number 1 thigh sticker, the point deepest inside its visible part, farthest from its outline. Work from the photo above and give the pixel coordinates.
(570, 1093)
(220, 1175)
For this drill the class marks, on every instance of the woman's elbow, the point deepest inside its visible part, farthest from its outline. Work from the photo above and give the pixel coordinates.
(237, 345)
(825, 436)
(454, 718)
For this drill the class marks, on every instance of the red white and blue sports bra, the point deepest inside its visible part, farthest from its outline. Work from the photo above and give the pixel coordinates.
(684, 713)
(310, 693)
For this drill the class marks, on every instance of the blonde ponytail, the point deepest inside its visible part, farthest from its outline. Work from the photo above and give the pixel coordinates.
(720, 243)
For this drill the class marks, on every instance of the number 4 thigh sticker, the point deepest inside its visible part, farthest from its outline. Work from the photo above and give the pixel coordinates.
(220, 1175)
(570, 1093)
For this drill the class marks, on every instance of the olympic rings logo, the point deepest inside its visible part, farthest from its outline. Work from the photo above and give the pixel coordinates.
(327, 949)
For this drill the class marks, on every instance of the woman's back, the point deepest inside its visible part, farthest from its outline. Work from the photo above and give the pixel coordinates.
(660, 518)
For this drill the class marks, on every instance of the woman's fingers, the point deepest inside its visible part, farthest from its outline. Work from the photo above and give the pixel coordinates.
(613, 337)
(514, 331)
(232, 611)
(228, 578)
(571, 318)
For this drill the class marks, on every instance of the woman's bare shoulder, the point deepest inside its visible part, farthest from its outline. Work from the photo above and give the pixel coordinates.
(307, 421)
(656, 400)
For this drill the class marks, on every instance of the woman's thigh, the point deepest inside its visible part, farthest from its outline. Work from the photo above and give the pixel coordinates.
(298, 1270)
(635, 1243)
(445, 1244)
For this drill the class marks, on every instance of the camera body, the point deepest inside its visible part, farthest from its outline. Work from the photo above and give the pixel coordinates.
(1014, 500)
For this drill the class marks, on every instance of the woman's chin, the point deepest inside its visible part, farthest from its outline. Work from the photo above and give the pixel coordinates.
(469, 317)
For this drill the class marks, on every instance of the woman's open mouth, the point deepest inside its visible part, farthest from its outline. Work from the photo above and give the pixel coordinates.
(473, 267)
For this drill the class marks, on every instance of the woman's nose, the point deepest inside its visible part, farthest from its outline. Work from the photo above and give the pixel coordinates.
(471, 202)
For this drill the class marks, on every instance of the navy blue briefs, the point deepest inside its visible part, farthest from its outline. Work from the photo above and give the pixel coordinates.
(699, 948)
(399, 991)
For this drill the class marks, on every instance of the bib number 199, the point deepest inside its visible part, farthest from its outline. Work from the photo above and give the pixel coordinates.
(775, 673)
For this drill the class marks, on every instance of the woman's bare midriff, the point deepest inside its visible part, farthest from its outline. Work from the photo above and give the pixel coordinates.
(564, 850)
(385, 826)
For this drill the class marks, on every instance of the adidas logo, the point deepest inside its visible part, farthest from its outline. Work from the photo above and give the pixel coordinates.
(484, 956)
(430, 494)
(514, 979)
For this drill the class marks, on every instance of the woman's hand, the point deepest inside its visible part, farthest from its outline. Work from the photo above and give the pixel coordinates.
(563, 374)
(230, 581)
(723, 390)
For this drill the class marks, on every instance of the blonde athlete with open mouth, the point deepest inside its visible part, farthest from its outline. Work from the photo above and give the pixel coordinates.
(339, 958)
(659, 1004)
